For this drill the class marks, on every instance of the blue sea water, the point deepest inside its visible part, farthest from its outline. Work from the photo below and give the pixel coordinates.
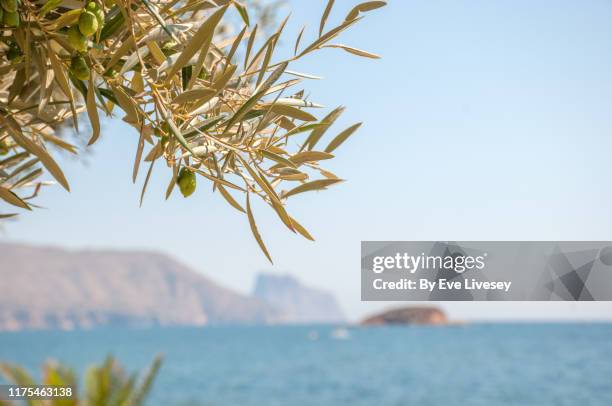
(480, 364)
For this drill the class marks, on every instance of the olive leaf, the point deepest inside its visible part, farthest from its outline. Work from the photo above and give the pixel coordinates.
(205, 31)
(318, 184)
(354, 51)
(343, 136)
(254, 229)
(8, 196)
(325, 15)
(92, 111)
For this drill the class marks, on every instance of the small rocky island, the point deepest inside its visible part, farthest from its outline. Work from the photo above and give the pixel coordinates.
(408, 315)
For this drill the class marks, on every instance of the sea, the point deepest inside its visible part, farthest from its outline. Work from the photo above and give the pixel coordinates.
(472, 364)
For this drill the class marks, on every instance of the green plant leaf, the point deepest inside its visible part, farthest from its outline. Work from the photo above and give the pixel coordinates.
(205, 31)
(340, 138)
(318, 184)
(254, 229)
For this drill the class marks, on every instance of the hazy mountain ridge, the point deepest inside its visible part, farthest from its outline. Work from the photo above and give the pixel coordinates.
(43, 287)
(300, 304)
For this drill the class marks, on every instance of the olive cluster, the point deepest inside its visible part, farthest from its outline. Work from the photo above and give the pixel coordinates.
(9, 14)
(90, 21)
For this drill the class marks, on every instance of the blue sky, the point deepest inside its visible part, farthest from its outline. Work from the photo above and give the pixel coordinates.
(485, 120)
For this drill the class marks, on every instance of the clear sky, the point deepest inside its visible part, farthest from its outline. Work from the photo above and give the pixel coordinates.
(485, 120)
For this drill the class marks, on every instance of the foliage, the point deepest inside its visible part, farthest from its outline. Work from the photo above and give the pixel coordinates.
(106, 384)
(171, 69)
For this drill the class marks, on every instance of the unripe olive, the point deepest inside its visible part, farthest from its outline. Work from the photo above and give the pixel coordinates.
(91, 6)
(13, 52)
(76, 39)
(79, 67)
(88, 23)
(11, 19)
(97, 11)
(111, 72)
(9, 5)
(109, 3)
(187, 182)
(4, 149)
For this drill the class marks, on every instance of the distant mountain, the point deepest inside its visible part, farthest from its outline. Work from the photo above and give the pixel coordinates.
(43, 287)
(300, 304)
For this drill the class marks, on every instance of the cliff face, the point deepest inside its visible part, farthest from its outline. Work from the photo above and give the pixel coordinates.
(408, 315)
(300, 304)
(53, 288)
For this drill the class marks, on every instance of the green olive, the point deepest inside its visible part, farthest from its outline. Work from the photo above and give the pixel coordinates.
(91, 6)
(187, 182)
(97, 11)
(4, 149)
(76, 39)
(13, 52)
(110, 72)
(79, 68)
(88, 23)
(9, 5)
(11, 19)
